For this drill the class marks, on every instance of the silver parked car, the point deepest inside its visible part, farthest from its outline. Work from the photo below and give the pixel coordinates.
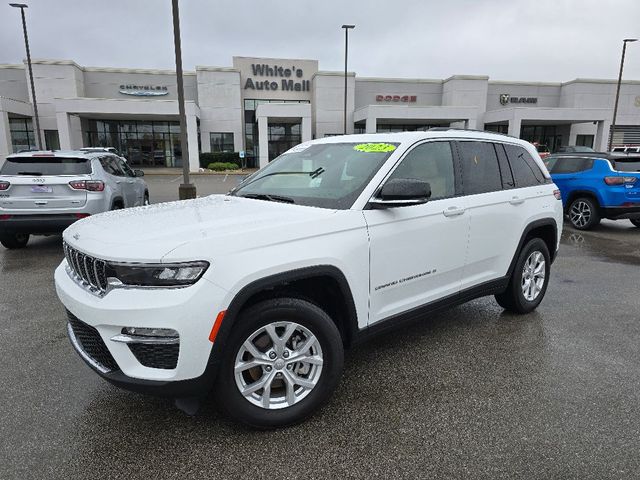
(44, 192)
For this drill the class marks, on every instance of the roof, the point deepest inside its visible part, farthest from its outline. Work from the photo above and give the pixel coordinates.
(58, 153)
(411, 137)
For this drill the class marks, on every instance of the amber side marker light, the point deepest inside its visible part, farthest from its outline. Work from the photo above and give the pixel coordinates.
(216, 326)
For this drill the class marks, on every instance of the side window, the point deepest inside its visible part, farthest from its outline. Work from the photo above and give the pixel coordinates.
(110, 167)
(431, 162)
(480, 170)
(505, 170)
(524, 168)
(572, 165)
(125, 167)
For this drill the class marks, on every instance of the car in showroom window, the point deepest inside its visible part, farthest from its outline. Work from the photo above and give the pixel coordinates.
(254, 296)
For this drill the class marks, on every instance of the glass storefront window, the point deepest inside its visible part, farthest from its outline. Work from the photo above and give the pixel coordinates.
(221, 142)
(144, 143)
(22, 136)
(251, 128)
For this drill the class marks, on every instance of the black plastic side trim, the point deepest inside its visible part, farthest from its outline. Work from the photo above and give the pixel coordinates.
(410, 316)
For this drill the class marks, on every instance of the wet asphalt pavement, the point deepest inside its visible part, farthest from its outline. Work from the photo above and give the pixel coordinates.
(469, 393)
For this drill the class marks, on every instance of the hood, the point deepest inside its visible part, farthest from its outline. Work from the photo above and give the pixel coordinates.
(149, 233)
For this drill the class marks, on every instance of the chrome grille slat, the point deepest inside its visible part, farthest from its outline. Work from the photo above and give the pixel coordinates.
(87, 270)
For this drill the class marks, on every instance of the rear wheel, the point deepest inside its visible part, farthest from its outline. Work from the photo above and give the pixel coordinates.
(14, 240)
(281, 363)
(583, 213)
(146, 198)
(636, 222)
(529, 279)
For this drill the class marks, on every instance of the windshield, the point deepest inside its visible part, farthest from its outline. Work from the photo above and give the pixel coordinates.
(38, 166)
(328, 175)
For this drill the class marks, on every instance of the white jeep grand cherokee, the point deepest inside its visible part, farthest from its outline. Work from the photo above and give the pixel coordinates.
(255, 294)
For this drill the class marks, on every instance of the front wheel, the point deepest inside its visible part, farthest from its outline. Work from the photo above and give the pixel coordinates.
(636, 222)
(529, 279)
(281, 363)
(14, 240)
(583, 214)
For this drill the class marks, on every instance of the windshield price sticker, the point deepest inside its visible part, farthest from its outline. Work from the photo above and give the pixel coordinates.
(375, 147)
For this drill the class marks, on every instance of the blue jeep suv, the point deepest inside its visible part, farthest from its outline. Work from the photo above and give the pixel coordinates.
(596, 186)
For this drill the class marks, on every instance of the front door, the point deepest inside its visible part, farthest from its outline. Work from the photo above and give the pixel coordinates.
(417, 253)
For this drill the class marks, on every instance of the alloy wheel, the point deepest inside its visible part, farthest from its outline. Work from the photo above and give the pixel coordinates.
(278, 365)
(533, 276)
(580, 213)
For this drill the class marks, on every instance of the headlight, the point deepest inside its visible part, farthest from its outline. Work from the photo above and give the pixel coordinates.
(157, 275)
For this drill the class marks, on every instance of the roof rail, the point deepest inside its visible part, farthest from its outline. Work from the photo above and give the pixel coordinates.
(444, 129)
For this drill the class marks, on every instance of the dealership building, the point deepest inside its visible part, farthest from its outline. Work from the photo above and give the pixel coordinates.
(263, 106)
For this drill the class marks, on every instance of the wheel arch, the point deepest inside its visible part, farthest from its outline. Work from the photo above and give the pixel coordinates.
(319, 284)
(583, 193)
(545, 229)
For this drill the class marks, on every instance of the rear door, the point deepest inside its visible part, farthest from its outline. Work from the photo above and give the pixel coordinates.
(134, 186)
(496, 208)
(41, 182)
(115, 178)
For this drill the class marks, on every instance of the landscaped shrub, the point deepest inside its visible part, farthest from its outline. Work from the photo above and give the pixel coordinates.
(222, 166)
(219, 157)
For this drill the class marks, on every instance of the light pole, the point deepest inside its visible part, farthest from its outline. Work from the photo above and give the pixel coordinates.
(186, 189)
(615, 107)
(346, 53)
(22, 6)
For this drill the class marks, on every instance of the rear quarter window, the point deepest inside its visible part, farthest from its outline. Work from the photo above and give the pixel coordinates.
(41, 166)
(525, 170)
(572, 165)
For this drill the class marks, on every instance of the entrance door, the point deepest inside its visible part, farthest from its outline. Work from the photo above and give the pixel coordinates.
(418, 253)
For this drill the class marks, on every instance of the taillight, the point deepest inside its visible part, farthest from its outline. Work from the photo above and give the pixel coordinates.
(557, 194)
(89, 185)
(4, 185)
(619, 180)
(5, 217)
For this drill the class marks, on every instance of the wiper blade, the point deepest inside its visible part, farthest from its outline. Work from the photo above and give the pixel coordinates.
(269, 197)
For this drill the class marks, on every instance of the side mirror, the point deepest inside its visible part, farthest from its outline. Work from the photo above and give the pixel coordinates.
(139, 173)
(402, 192)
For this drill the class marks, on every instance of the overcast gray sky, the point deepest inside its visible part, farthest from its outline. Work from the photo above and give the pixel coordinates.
(545, 40)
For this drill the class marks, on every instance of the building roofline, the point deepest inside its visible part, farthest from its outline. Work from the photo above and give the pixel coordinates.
(399, 80)
(523, 83)
(205, 68)
(40, 61)
(467, 77)
(330, 73)
(272, 58)
(12, 65)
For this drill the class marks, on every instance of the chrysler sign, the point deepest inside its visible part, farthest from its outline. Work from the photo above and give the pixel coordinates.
(144, 90)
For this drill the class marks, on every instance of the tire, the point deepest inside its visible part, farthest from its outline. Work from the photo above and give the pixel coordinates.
(636, 222)
(517, 298)
(13, 241)
(583, 213)
(146, 199)
(288, 402)
(117, 206)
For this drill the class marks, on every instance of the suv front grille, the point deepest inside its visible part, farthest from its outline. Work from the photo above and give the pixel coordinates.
(91, 344)
(89, 271)
(156, 356)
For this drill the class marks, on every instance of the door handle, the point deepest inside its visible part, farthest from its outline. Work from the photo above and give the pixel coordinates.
(453, 211)
(516, 201)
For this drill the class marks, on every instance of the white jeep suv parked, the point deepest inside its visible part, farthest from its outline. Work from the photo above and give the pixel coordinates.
(44, 192)
(255, 294)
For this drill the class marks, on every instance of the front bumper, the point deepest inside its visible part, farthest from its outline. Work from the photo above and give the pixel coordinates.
(94, 321)
(37, 224)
